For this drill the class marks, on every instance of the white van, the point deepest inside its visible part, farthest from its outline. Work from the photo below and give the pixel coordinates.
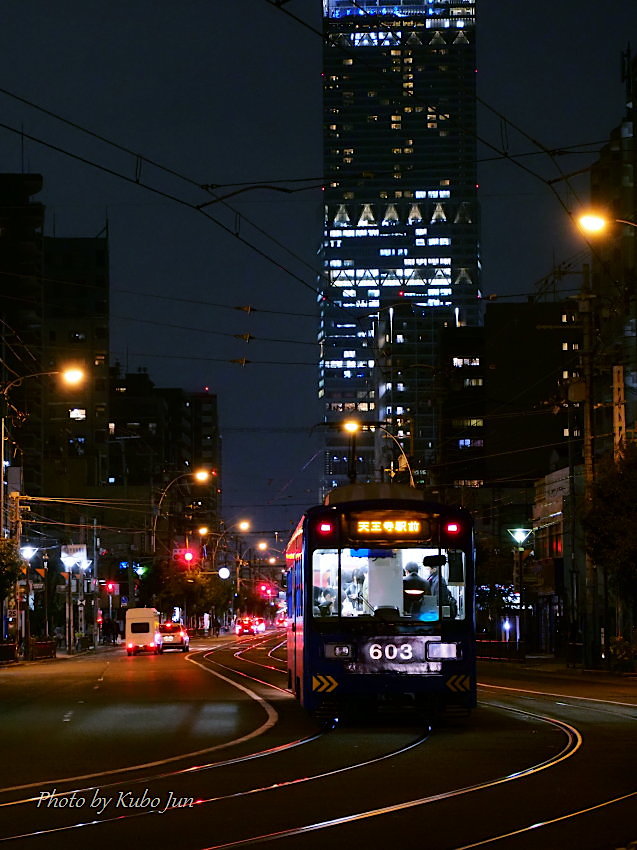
(142, 631)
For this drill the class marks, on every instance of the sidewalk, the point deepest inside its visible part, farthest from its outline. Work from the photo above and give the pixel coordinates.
(61, 654)
(548, 664)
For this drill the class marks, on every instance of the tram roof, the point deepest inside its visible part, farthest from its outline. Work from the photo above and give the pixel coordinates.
(375, 490)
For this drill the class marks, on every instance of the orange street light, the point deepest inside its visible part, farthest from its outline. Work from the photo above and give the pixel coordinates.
(595, 223)
(200, 475)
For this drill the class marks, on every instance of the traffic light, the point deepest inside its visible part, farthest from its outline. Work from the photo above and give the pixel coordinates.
(112, 588)
(186, 557)
(266, 590)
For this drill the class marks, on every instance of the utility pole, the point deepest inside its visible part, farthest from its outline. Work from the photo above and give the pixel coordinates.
(15, 523)
(591, 623)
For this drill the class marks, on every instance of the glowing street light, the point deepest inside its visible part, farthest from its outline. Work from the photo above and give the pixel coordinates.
(595, 223)
(199, 475)
(73, 376)
(352, 427)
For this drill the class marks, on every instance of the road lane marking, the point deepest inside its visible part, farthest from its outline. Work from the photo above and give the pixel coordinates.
(271, 721)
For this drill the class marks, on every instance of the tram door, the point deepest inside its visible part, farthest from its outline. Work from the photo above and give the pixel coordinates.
(295, 628)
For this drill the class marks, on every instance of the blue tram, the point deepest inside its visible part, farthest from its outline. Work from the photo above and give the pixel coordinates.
(381, 588)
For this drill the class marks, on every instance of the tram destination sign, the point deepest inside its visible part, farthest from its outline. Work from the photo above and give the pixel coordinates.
(390, 525)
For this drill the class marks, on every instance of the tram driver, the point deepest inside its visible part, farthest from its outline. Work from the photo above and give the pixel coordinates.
(414, 589)
(437, 583)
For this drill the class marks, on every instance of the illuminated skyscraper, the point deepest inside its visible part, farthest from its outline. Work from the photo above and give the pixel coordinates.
(400, 247)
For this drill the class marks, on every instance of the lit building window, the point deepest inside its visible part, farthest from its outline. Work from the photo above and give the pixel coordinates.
(465, 361)
(77, 413)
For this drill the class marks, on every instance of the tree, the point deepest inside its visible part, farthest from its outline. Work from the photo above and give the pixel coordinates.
(610, 523)
(11, 563)
(494, 588)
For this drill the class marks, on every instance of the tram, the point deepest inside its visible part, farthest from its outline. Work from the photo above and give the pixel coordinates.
(380, 595)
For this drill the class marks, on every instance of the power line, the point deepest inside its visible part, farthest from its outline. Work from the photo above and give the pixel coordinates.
(247, 337)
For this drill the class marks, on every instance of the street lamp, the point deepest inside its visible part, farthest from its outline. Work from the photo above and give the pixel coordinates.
(382, 428)
(71, 376)
(595, 223)
(242, 525)
(200, 475)
(352, 427)
(520, 536)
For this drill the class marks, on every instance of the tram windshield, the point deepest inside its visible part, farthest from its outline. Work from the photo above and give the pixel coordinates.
(415, 584)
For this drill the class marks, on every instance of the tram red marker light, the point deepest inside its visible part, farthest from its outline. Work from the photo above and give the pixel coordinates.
(453, 527)
(325, 528)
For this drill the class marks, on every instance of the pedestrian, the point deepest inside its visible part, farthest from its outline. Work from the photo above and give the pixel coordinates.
(107, 631)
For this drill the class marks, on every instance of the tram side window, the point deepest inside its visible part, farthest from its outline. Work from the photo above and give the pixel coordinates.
(456, 578)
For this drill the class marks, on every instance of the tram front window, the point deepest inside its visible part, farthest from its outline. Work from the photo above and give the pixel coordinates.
(416, 584)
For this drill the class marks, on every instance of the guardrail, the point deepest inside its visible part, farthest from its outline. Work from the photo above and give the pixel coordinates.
(501, 650)
(8, 652)
(39, 648)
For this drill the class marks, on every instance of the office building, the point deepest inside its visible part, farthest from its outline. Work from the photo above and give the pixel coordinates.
(400, 246)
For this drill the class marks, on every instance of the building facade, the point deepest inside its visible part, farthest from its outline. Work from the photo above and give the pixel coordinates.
(400, 245)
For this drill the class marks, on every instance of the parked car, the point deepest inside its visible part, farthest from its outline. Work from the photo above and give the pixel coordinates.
(174, 636)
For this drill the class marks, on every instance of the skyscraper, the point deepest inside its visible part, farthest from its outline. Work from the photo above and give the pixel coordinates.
(400, 246)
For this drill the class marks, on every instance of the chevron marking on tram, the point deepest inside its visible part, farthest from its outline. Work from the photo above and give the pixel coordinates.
(323, 684)
(459, 682)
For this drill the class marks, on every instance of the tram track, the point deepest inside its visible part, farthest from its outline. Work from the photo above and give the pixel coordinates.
(281, 786)
(278, 785)
(283, 778)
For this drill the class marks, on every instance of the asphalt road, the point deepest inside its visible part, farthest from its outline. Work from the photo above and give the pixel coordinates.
(208, 750)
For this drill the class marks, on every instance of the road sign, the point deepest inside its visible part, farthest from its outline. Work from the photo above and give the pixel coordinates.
(123, 600)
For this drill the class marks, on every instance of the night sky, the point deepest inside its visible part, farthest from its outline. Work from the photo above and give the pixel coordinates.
(228, 94)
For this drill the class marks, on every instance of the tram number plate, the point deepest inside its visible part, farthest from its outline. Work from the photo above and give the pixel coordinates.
(392, 652)
(397, 655)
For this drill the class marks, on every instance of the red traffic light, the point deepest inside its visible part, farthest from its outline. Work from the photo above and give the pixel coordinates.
(110, 587)
(185, 557)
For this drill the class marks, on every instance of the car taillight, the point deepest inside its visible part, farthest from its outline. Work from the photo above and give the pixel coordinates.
(182, 634)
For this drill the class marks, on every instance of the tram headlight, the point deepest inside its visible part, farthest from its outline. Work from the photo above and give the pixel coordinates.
(437, 651)
(339, 650)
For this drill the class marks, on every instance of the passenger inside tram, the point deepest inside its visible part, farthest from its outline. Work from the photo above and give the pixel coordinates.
(395, 583)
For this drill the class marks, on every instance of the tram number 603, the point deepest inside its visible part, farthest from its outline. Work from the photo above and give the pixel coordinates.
(391, 652)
